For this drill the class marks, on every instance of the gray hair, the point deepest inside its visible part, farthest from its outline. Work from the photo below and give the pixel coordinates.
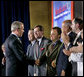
(16, 25)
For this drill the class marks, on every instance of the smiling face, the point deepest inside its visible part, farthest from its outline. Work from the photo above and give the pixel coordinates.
(38, 33)
(54, 35)
(31, 35)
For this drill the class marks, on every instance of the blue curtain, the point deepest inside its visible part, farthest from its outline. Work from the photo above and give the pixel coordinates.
(12, 10)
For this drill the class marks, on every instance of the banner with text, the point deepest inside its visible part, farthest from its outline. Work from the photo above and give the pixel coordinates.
(61, 10)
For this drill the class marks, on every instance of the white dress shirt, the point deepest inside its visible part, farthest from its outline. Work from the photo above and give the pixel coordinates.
(17, 37)
(39, 41)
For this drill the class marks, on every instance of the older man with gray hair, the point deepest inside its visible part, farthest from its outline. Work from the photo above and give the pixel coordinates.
(30, 51)
(15, 56)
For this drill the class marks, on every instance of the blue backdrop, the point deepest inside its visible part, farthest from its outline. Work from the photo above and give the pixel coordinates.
(11, 10)
(61, 12)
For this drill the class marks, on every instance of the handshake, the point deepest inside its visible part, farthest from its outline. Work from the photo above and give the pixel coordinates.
(37, 62)
(3, 61)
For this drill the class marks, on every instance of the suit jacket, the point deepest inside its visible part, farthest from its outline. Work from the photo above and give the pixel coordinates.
(79, 39)
(3, 68)
(30, 54)
(72, 36)
(50, 54)
(15, 57)
(62, 62)
(41, 70)
(74, 57)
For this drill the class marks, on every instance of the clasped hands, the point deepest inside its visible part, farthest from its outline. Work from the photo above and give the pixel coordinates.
(37, 62)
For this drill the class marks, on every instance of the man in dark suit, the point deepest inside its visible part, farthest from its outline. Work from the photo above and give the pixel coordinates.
(40, 44)
(30, 51)
(15, 56)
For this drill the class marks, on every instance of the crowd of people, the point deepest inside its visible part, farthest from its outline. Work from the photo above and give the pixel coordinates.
(45, 57)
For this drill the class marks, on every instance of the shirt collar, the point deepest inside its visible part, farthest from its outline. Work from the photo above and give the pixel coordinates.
(55, 42)
(39, 40)
(14, 34)
(79, 33)
(33, 42)
(82, 42)
(17, 37)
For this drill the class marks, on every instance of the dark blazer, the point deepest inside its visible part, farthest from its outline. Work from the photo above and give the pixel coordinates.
(50, 55)
(30, 54)
(72, 36)
(15, 57)
(3, 68)
(61, 62)
(78, 40)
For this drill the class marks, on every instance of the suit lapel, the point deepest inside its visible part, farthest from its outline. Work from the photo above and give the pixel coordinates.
(51, 50)
(16, 38)
(29, 49)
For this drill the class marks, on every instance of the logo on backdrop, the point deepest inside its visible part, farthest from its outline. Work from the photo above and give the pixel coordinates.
(61, 12)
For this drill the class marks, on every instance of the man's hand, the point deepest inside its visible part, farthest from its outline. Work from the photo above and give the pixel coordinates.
(78, 48)
(66, 52)
(3, 60)
(53, 64)
(63, 73)
(37, 62)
